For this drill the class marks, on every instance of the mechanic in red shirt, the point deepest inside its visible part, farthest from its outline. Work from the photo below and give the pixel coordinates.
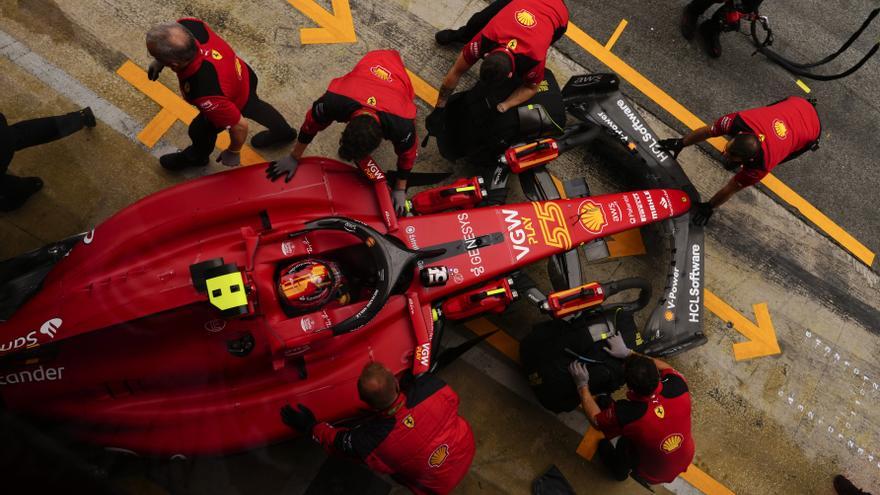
(376, 100)
(416, 436)
(221, 85)
(726, 18)
(512, 37)
(652, 425)
(761, 139)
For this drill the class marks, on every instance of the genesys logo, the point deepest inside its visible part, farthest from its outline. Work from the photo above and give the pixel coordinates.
(37, 375)
(32, 339)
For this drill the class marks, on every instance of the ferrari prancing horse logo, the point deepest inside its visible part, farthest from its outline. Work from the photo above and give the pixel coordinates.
(660, 412)
(371, 101)
(409, 422)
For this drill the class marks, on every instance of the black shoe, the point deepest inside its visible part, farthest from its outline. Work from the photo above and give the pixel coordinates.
(265, 139)
(688, 24)
(844, 486)
(88, 117)
(447, 36)
(711, 33)
(23, 188)
(178, 161)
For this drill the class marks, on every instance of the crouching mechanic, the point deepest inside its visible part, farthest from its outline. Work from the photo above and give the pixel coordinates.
(512, 37)
(416, 436)
(652, 425)
(376, 101)
(221, 85)
(761, 139)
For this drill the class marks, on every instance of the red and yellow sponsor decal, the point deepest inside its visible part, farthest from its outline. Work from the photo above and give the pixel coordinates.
(296, 286)
(438, 457)
(526, 18)
(381, 73)
(423, 354)
(672, 443)
(592, 217)
(552, 224)
(780, 129)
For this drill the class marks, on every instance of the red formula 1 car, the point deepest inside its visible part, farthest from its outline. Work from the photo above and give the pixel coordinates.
(163, 330)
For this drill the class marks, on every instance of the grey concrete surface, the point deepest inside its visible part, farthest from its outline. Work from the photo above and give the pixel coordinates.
(761, 426)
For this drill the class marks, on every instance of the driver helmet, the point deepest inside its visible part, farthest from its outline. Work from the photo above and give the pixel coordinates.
(310, 283)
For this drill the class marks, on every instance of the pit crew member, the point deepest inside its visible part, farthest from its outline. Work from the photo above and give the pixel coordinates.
(221, 85)
(416, 435)
(652, 425)
(761, 139)
(512, 37)
(375, 99)
(726, 18)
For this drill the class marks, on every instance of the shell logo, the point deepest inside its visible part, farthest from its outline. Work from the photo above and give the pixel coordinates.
(660, 412)
(381, 73)
(216, 55)
(371, 101)
(668, 315)
(780, 129)
(592, 217)
(438, 457)
(526, 18)
(672, 443)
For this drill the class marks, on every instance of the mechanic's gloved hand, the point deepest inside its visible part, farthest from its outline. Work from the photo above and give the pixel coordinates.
(398, 196)
(154, 69)
(702, 213)
(230, 158)
(617, 347)
(435, 124)
(300, 419)
(673, 146)
(285, 166)
(580, 374)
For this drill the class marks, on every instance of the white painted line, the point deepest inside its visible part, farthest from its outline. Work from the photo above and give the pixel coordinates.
(64, 84)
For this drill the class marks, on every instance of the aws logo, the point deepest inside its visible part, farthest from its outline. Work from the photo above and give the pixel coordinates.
(780, 129)
(672, 443)
(526, 18)
(438, 457)
(592, 217)
(381, 73)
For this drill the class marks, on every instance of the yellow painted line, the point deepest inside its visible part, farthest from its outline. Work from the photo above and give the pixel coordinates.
(590, 443)
(616, 34)
(803, 86)
(703, 482)
(174, 108)
(501, 341)
(678, 111)
(337, 27)
(423, 90)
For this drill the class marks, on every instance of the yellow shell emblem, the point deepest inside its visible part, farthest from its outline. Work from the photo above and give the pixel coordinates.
(543, 86)
(592, 217)
(668, 315)
(438, 457)
(371, 101)
(780, 129)
(409, 422)
(660, 412)
(381, 73)
(672, 443)
(216, 55)
(511, 45)
(526, 18)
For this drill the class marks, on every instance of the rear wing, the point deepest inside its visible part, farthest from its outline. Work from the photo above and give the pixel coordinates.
(676, 324)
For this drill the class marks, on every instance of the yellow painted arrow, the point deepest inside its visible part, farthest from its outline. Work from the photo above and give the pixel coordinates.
(337, 27)
(762, 336)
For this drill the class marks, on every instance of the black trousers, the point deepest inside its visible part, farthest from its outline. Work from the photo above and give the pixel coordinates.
(204, 134)
(697, 7)
(479, 20)
(619, 459)
(29, 133)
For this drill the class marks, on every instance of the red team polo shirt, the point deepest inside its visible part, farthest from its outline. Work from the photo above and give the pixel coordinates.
(217, 81)
(527, 28)
(659, 428)
(784, 128)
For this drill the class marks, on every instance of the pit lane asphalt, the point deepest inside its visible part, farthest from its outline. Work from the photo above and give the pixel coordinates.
(842, 178)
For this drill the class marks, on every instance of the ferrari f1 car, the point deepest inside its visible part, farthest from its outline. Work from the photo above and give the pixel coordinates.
(165, 330)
